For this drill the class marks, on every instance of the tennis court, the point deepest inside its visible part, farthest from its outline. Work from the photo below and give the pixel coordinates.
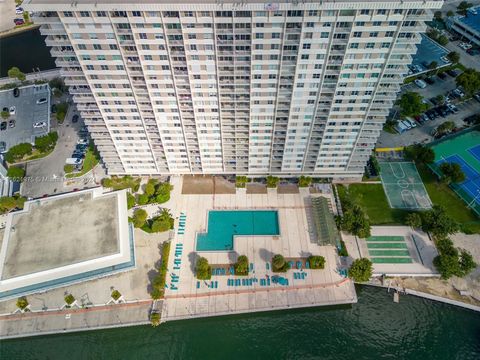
(465, 151)
(403, 186)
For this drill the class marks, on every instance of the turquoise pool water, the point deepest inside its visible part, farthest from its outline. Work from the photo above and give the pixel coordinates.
(224, 225)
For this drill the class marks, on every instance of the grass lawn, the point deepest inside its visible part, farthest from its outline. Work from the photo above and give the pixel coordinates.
(441, 194)
(91, 159)
(373, 200)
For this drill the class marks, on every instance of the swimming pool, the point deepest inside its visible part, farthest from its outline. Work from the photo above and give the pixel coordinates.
(224, 225)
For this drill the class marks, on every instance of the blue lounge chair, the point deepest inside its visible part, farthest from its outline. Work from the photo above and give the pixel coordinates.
(173, 287)
(268, 282)
(250, 282)
(251, 266)
(304, 275)
(291, 264)
(299, 264)
(232, 270)
(243, 282)
(267, 264)
(286, 282)
(176, 268)
(216, 284)
(198, 284)
(295, 276)
(237, 282)
(307, 264)
(175, 280)
(262, 282)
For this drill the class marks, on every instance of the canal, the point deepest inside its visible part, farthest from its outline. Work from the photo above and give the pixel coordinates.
(27, 51)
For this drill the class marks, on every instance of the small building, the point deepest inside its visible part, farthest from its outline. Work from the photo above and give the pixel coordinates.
(65, 239)
(7, 186)
(29, 115)
(467, 26)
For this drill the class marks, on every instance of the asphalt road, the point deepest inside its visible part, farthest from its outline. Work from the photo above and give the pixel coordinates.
(45, 176)
(467, 60)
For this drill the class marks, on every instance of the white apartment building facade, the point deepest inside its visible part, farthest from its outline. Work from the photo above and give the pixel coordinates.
(218, 87)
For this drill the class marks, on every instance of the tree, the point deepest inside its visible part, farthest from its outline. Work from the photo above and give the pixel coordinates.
(454, 57)
(115, 295)
(47, 142)
(149, 188)
(8, 203)
(15, 173)
(355, 221)
(155, 319)
(162, 192)
(130, 201)
(446, 127)
(438, 223)
(272, 181)
(69, 299)
(440, 99)
(142, 199)
(240, 181)
(442, 40)
(156, 293)
(241, 266)
(203, 269)
(279, 264)
(452, 173)
(5, 115)
(304, 181)
(316, 262)
(433, 65)
(450, 13)
(22, 303)
(466, 262)
(413, 220)
(411, 104)
(15, 72)
(139, 217)
(469, 80)
(361, 270)
(437, 15)
(463, 7)
(447, 265)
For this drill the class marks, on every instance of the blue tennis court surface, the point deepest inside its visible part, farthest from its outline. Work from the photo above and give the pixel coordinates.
(475, 151)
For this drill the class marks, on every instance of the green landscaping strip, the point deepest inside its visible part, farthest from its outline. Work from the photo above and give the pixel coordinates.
(386, 238)
(389, 252)
(387, 245)
(392, 260)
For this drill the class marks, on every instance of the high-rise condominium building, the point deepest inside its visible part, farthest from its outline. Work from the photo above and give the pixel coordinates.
(223, 87)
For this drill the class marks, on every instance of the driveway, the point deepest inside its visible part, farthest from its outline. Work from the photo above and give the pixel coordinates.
(45, 176)
(467, 60)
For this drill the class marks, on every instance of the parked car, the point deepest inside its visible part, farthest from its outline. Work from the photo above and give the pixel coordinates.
(40, 124)
(73, 161)
(473, 52)
(412, 123)
(19, 22)
(3, 125)
(400, 127)
(406, 124)
(18, 10)
(77, 155)
(5, 109)
(53, 109)
(82, 141)
(429, 81)
(420, 83)
(16, 92)
(452, 108)
(465, 46)
(41, 101)
(458, 92)
(11, 123)
(442, 76)
(75, 118)
(472, 119)
(477, 97)
(453, 72)
(3, 146)
(12, 110)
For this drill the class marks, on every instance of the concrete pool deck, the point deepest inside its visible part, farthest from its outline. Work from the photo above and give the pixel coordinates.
(296, 240)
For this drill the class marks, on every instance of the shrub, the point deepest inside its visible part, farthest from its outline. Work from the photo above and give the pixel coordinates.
(162, 192)
(68, 168)
(450, 262)
(356, 222)
(279, 264)
(361, 270)
(139, 217)
(241, 181)
(241, 266)
(203, 269)
(15, 173)
(5, 115)
(18, 151)
(8, 203)
(413, 220)
(304, 181)
(130, 201)
(158, 282)
(22, 303)
(272, 181)
(15, 72)
(343, 249)
(160, 223)
(156, 293)
(115, 295)
(419, 153)
(47, 142)
(69, 299)
(438, 223)
(316, 262)
(155, 319)
(452, 173)
(120, 183)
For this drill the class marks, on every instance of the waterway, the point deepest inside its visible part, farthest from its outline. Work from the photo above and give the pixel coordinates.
(375, 328)
(27, 51)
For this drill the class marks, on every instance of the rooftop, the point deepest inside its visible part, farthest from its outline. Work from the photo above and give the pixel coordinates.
(472, 20)
(57, 238)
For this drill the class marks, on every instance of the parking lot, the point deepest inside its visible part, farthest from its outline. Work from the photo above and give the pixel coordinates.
(18, 128)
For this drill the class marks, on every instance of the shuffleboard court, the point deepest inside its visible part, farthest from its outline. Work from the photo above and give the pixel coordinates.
(390, 245)
(386, 238)
(391, 260)
(389, 252)
(403, 186)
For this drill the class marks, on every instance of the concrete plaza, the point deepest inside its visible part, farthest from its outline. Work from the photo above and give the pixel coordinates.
(194, 298)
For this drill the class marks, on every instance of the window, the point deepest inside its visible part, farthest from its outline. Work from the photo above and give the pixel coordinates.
(389, 34)
(374, 34)
(324, 35)
(136, 13)
(364, 12)
(84, 14)
(381, 12)
(305, 56)
(369, 45)
(259, 36)
(307, 46)
(312, 13)
(357, 34)
(68, 14)
(377, 23)
(385, 45)
(354, 46)
(101, 13)
(81, 47)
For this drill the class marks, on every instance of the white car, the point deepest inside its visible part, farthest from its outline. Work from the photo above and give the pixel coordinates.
(19, 10)
(40, 124)
(41, 101)
(420, 83)
(445, 59)
(82, 141)
(465, 46)
(12, 110)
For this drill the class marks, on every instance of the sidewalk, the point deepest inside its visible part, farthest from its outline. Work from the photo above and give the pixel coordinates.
(43, 323)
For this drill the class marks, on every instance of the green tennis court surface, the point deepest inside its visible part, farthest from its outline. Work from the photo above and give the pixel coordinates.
(403, 186)
(389, 252)
(386, 245)
(392, 260)
(385, 238)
